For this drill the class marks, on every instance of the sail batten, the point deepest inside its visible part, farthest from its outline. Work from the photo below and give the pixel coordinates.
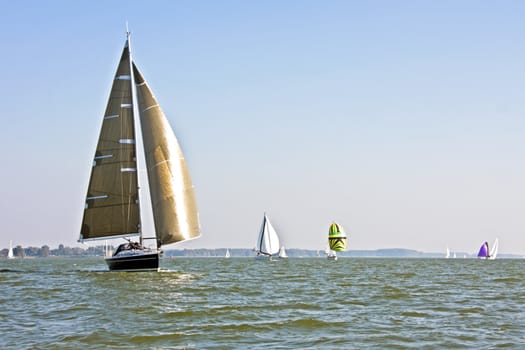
(97, 197)
(103, 157)
(150, 107)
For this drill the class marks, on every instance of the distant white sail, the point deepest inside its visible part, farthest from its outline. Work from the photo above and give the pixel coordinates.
(268, 240)
(282, 253)
(494, 250)
(10, 252)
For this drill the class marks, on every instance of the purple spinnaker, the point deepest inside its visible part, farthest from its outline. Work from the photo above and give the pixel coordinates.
(483, 251)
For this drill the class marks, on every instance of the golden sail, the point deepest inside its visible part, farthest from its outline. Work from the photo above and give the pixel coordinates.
(172, 195)
(112, 197)
(112, 201)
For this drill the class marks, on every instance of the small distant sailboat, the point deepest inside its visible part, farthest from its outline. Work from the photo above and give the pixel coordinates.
(486, 253)
(227, 255)
(447, 255)
(494, 251)
(282, 253)
(268, 240)
(10, 254)
(113, 201)
(330, 254)
(336, 241)
(483, 252)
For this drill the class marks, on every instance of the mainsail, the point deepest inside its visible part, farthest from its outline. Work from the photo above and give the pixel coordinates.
(337, 238)
(112, 201)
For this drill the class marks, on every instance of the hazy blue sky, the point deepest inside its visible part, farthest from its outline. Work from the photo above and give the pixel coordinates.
(402, 120)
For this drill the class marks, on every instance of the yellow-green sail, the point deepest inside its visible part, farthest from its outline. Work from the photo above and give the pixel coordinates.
(337, 238)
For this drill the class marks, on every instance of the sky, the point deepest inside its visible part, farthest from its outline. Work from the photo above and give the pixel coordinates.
(404, 121)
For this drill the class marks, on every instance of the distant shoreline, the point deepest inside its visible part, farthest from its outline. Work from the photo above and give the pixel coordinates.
(62, 251)
(307, 253)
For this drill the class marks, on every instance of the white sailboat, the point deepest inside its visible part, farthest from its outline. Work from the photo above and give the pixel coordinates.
(268, 241)
(330, 254)
(112, 204)
(227, 255)
(494, 250)
(447, 255)
(282, 253)
(10, 254)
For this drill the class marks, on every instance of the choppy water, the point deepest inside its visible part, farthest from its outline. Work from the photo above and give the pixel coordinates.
(240, 303)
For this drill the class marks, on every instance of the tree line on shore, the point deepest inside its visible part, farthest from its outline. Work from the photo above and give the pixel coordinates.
(45, 251)
(63, 251)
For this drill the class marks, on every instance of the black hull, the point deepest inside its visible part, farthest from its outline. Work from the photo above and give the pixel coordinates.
(136, 262)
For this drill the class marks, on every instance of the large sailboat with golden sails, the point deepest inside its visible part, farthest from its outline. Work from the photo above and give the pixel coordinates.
(113, 200)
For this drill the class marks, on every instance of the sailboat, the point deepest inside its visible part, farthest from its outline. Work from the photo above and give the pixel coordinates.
(268, 241)
(447, 254)
(113, 200)
(485, 253)
(227, 255)
(10, 254)
(336, 241)
(494, 251)
(282, 253)
(330, 254)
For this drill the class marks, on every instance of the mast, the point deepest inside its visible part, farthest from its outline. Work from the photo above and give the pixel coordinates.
(137, 122)
(262, 234)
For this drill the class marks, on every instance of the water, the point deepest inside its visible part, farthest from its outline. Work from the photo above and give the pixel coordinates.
(240, 303)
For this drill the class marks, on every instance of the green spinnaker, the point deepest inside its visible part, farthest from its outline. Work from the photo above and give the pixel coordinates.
(337, 238)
